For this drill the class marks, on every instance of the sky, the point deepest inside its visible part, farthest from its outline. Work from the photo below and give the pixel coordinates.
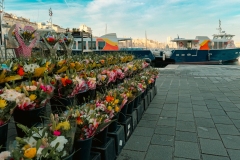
(132, 18)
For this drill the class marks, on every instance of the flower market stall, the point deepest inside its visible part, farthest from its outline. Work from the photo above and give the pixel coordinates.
(96, 101)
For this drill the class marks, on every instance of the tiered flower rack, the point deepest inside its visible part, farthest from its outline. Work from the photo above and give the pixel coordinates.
(91, 74)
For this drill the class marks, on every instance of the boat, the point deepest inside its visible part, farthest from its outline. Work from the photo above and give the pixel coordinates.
(108, 43)
(203, 50)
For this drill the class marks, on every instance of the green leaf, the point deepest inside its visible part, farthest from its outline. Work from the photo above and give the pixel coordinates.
(39, 142)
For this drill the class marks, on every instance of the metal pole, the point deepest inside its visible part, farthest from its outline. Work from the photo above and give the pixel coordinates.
(1, 19)
(82, 40)
(91, 43)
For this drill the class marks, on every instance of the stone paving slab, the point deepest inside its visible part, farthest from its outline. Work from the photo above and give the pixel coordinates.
(195, 115)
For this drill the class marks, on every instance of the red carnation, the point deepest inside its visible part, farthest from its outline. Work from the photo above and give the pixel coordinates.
(68, 81)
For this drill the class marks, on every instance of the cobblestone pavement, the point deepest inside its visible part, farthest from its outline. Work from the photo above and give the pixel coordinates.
(195, 115)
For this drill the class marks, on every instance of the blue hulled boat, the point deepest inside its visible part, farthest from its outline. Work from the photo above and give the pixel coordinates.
(203, 50)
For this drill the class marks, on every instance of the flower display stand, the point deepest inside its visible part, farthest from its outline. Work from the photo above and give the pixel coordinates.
(95, 156)
(145, 102)
(107, 150)
(83, 149)
(114, 125)
(128, 128)
(134, 119)
(148, 98)
(152, 94)
(100, 139)
(119, 138)
(28, 118)
(122, 114)
(130, 107)
(140, 110)
(155, 89)
(137, 101)
(58, 105)
(3, 136)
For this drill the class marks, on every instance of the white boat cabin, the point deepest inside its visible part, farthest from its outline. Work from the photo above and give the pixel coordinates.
(221, 40)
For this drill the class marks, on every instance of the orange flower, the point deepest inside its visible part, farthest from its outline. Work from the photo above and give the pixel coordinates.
(63, 80)
(109, 98)
(79, 121)
(20, 71)
(102, 61)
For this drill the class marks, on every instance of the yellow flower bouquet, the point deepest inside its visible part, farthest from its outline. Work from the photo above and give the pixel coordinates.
(43, 144)
(6, 110)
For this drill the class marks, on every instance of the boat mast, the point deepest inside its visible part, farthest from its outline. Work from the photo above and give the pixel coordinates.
(220, 29)
(50, 17)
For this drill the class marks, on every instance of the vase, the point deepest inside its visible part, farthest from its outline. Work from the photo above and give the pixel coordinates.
(137, 101)
(86, 97)
(28, 118)
(122, 113)
(113, 126)
(100, 138)
(59, 105)
(69, 157)
(101, 88)
(83, 149)
(130, 107)
(3, 136)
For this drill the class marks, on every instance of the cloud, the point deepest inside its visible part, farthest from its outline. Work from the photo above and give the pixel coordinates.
(132, 17)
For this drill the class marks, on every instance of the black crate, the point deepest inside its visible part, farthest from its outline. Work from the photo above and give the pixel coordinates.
(148, 97)
(107, 151)
(152, 94)
(134, 119)
(127, 127)
(95, 156)
(119, 137)
(155, 89)
(145, 102)
(140, 110)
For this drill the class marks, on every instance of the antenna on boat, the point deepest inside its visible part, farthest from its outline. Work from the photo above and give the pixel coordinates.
(50, 16)
(220, 29)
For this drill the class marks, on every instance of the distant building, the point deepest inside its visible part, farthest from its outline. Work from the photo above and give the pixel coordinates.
(85, 28)
(10, 19)
(237, 44)
(169, 40)
(55, 27)
(143, 43)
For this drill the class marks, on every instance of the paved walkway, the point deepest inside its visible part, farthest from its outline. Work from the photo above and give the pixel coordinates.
(195, 115)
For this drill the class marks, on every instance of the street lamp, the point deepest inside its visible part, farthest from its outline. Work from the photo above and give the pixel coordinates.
(1, 18)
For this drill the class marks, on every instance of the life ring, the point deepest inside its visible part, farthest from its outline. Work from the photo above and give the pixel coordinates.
(180, 44)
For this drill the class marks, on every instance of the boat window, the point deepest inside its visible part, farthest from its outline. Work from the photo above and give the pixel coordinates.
(220, 45)
(93, 44)
(80, 45)
(74, 45)
(189, 44)
(101, 45)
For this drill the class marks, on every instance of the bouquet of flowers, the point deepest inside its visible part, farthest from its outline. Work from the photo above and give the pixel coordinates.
(27, 34)
(23, 38)
(90, 120)
(65, 85)
(47, 143)
(91, 80)
(6, 109)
